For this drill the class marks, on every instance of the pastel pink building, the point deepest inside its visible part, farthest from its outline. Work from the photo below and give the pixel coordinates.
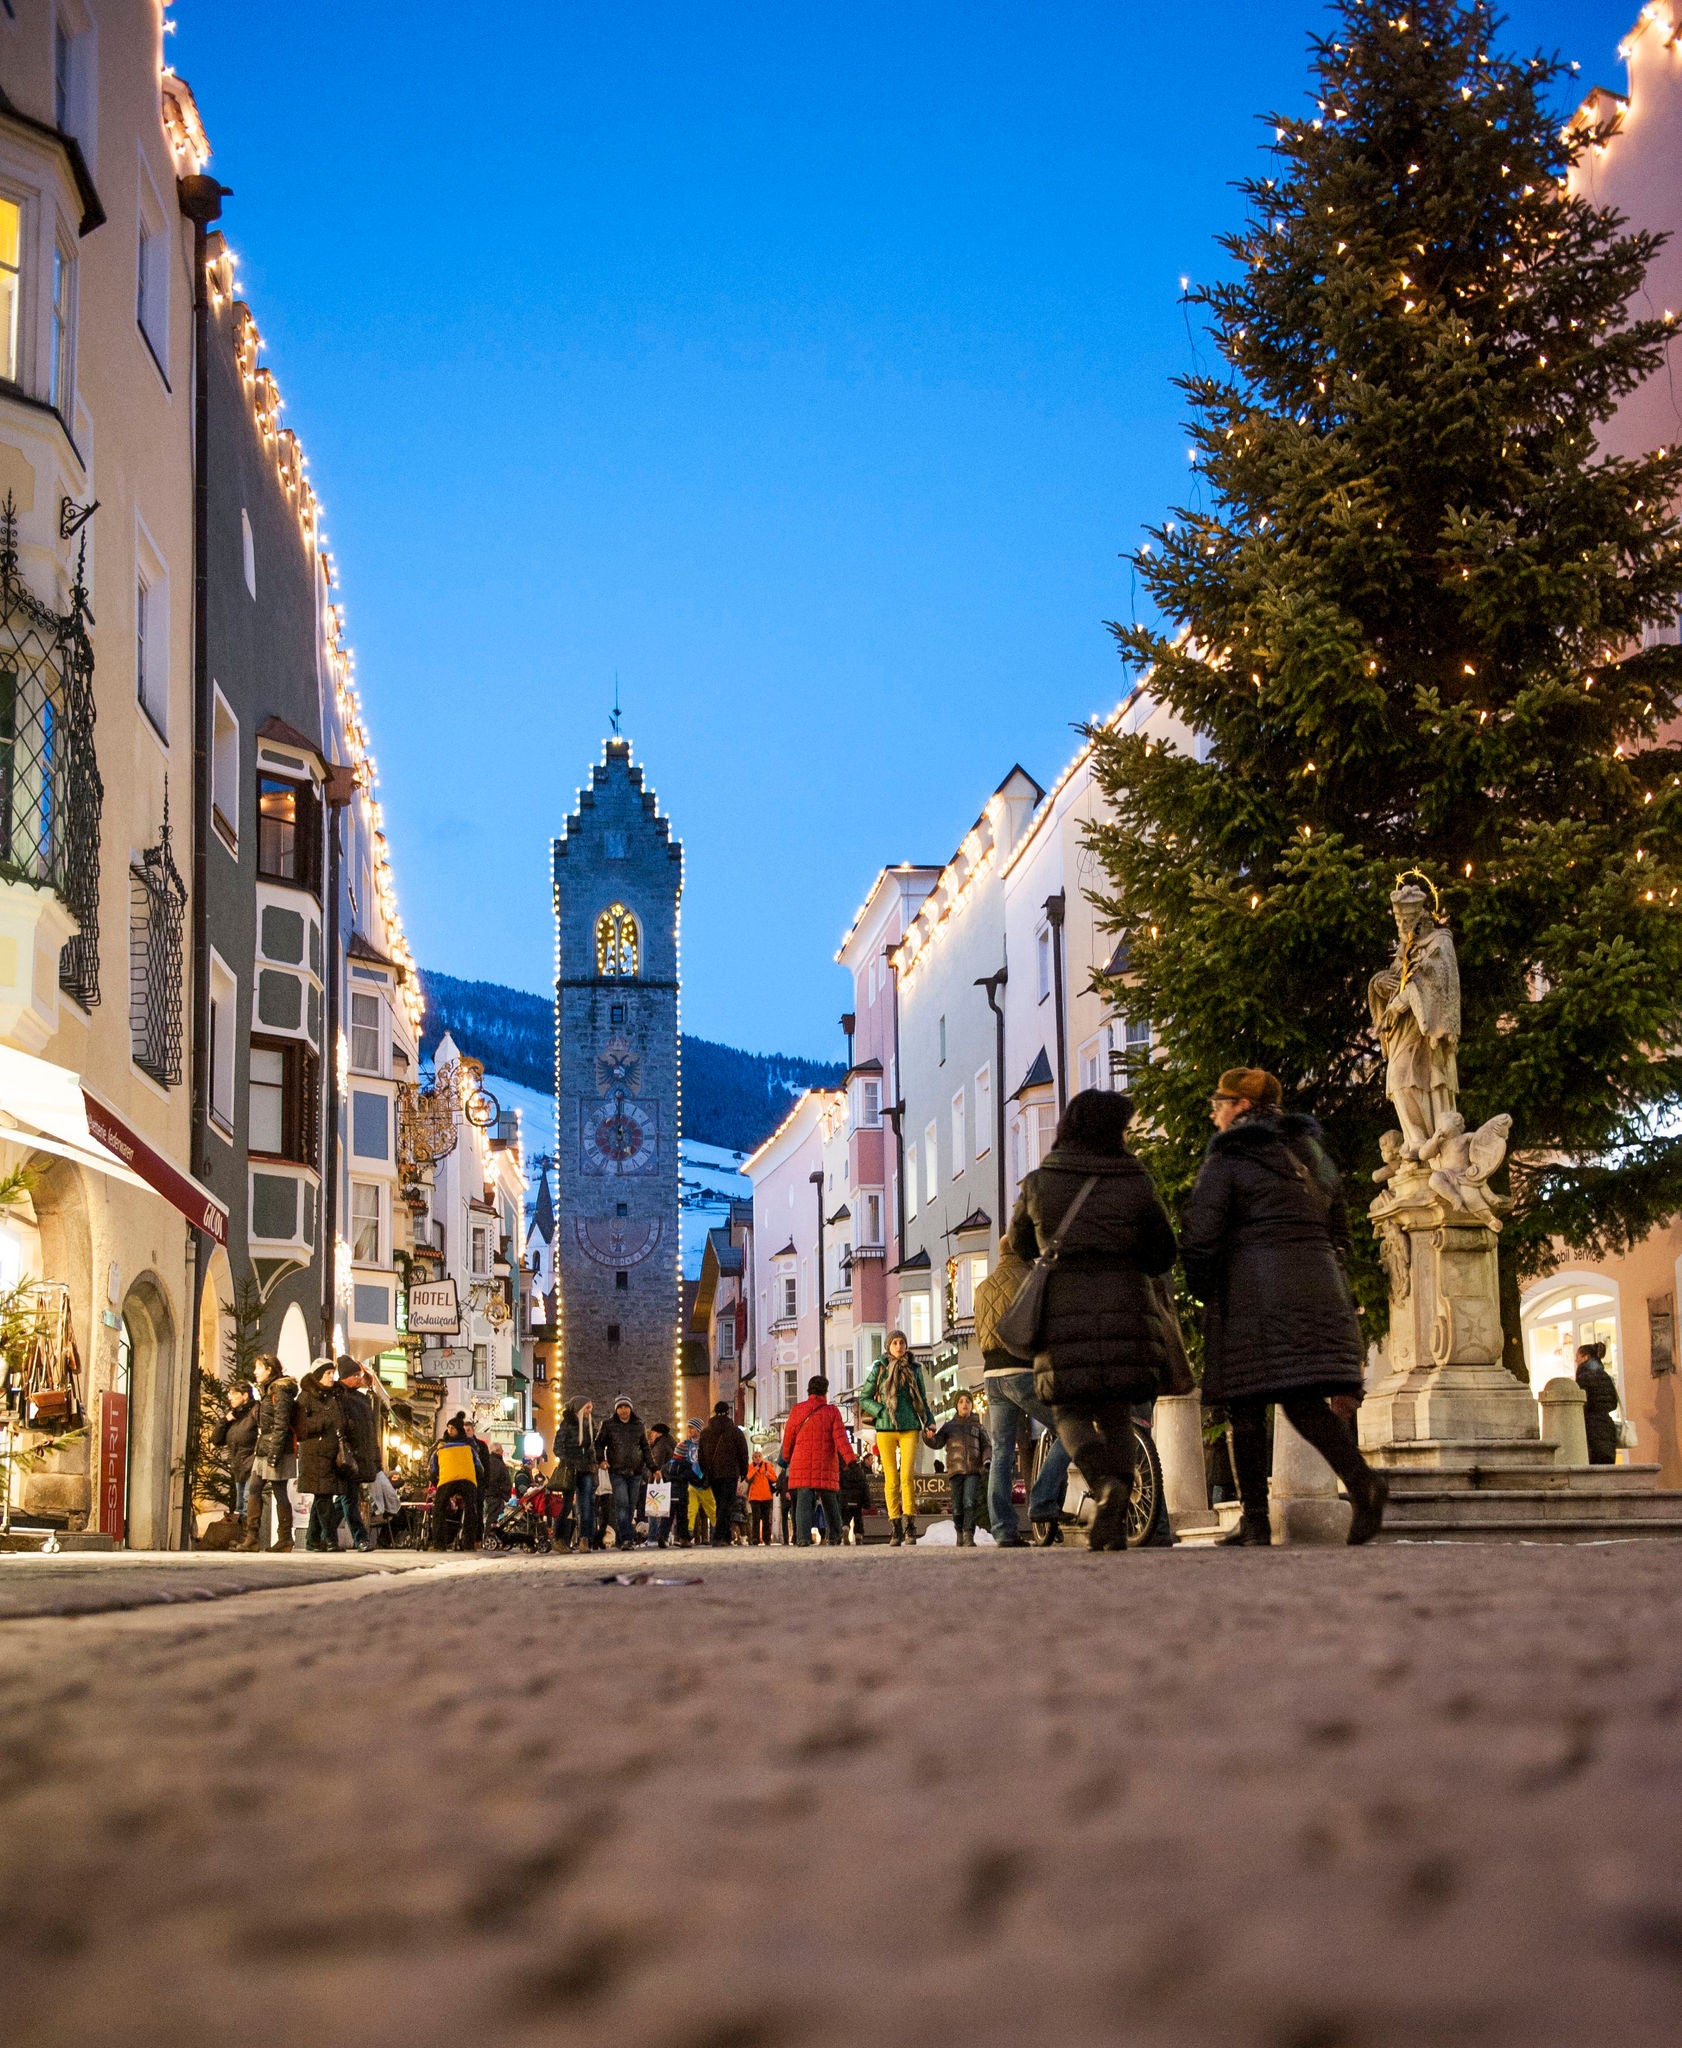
(874, 1159)
(789, 1193)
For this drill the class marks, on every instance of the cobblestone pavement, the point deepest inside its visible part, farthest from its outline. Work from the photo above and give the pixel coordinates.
(94, 1582)
(1317, 1799)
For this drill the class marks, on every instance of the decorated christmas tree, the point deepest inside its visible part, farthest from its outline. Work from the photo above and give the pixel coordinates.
(1408, 620)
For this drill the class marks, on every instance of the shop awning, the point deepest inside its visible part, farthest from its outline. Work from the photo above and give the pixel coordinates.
(48, 1108)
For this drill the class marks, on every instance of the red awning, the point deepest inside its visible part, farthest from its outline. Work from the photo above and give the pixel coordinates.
(180, 1190)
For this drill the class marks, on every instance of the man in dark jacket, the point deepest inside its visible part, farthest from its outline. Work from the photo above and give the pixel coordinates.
(725, 1458)
(457, 1473)
(1014, 1408)
(1600, 1404)
(968, 1450)
(359, 1460)
(236, 1433)
(625, 1446)
(275, 1460)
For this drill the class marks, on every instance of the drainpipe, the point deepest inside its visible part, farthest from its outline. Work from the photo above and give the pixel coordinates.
(200, 200)
(341, 787)
(1054, 918)
(992, 983)
(823, 1278)
(896, 1117)
(849, 1023)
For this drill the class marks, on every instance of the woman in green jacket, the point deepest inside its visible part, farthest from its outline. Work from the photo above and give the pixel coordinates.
(895, 1400)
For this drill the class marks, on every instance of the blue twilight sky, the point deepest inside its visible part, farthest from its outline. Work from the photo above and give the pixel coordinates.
(807, 364)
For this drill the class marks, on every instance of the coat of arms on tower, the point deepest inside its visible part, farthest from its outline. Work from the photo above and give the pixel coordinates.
(617, 1066)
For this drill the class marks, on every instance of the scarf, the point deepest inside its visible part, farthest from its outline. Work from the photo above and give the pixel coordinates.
(899, 1376)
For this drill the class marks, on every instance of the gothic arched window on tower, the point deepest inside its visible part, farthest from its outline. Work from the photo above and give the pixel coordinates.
(616, 941)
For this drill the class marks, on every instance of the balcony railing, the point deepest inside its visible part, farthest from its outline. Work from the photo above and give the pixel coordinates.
(50, 791)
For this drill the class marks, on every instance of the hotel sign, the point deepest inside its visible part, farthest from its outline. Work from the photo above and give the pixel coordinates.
(433, 1309)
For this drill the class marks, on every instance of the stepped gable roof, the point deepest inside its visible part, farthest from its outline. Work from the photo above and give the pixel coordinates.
(1039, 1075)
(616, 757)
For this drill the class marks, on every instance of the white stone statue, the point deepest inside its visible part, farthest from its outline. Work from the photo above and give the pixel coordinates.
(1415, 1006)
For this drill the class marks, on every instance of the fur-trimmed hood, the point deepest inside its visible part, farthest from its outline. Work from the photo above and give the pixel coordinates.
(1264, 1127)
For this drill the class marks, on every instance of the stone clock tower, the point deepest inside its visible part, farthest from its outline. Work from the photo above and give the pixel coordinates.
(618, 877)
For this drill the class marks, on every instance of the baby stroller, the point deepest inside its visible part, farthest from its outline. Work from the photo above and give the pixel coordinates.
(520, 1527)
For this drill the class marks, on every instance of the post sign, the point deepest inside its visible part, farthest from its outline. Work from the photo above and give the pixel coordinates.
(433, 1309)
(113, 1465)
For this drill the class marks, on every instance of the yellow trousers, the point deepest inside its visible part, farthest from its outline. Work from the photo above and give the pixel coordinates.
(702, 1502)
(898, 1450)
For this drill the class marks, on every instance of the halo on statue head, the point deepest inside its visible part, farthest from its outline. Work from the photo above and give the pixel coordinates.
(1402, 894)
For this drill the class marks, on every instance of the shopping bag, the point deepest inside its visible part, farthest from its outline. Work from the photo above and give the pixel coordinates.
(659, 1498)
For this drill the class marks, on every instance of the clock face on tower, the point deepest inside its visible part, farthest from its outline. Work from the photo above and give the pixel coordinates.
(618, 1136)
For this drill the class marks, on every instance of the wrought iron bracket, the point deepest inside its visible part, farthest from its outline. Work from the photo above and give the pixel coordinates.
(71, 517)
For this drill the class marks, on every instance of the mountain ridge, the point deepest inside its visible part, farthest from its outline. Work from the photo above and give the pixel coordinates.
(730, 1098)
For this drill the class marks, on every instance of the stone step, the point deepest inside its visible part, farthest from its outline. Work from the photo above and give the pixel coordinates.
(1559, 1480)
(1576, 1515)
(27, 1540)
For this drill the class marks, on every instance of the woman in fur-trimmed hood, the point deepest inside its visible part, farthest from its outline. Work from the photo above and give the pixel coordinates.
(1264, 1236)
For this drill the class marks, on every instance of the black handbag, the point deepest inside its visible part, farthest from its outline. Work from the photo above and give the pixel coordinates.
(1021, 1323)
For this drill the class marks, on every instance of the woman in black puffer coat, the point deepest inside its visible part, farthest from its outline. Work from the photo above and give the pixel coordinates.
(1263, 1238)
(1102, 1341)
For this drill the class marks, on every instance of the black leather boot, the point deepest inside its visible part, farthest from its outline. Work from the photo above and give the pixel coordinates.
(1253, 1532)
(898, 1536)
(1369, 1512)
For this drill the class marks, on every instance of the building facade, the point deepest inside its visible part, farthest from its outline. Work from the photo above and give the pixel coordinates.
(96, 713)
(468, 1235)
(790, 1197)
(198, 928)
(1628, 1302)
(875, 1123)
(618, 880)
(952, 972)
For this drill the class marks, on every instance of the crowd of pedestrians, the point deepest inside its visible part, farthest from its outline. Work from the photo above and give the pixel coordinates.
(1079, 1336)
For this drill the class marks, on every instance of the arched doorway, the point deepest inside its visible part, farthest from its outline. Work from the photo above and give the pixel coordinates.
(147, 1334)
(293, 1346)
(1568, 1310)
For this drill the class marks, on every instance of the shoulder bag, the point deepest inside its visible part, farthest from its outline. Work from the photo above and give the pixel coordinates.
(1021, 1323)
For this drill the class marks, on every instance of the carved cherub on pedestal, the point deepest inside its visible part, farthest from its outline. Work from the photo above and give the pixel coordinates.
(1461, 1162)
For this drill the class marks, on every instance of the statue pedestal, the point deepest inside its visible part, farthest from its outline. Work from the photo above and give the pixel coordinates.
(1445, 1402)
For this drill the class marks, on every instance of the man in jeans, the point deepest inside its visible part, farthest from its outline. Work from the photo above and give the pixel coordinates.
(1012, 1408)
(626, 1449)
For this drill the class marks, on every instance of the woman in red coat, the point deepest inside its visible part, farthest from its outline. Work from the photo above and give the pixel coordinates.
(815, 1447)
